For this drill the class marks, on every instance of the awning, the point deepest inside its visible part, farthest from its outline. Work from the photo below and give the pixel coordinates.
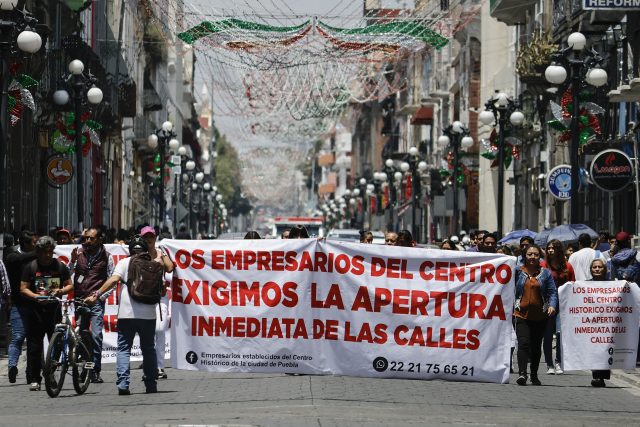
(424, 116)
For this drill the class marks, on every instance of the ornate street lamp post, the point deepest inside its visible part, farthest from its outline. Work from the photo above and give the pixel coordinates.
(457, 136)
(415, 167)
(16, 35)
(83, 86)
(163, 137)
(584, 66)
(498, 109)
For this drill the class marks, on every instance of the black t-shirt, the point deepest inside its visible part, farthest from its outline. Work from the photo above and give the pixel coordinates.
(45, 278)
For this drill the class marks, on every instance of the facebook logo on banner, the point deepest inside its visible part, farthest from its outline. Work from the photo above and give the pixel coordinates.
(611, 4)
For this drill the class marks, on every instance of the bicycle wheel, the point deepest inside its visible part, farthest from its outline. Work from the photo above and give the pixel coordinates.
(80, 373)
(55, 365)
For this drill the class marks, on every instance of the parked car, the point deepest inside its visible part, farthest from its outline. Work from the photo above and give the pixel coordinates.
(353, 235)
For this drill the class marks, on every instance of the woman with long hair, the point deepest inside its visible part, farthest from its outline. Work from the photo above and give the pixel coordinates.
(536, 301)
(562, 272)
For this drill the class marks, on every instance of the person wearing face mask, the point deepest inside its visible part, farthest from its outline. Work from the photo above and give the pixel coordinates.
(92, 266)
(536, 301)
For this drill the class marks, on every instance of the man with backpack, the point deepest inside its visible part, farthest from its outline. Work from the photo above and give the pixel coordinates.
(141, 288)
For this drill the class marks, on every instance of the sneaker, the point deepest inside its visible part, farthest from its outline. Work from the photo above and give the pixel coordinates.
(558, 369)
(161, 374)
(96, 378)
(551, 370)
(13, 373)
(535, 380)
(598, 383)
(123, 392)
(522, 380)
(34, 387)
(151, 390)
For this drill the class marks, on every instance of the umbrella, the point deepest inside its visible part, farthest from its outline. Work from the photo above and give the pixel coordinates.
(566, 233)
(515, 236)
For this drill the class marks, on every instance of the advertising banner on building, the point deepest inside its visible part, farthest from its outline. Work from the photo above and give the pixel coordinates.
(315, 307)
(599, 322)
(110, 326)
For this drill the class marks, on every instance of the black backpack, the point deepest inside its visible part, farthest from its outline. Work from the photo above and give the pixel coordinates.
(145, 282)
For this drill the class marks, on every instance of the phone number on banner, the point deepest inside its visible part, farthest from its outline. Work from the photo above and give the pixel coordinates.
(381, 364)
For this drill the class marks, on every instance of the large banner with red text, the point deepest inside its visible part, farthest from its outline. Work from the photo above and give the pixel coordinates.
(317, 307)
(599, 324)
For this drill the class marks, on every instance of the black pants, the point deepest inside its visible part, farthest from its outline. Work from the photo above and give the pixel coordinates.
(43, 322)
(530, 334)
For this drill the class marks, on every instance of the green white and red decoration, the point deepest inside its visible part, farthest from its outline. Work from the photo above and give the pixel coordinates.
(459, 175)
(64, 137)
(511, 148)
(20, 96)
(588, 122)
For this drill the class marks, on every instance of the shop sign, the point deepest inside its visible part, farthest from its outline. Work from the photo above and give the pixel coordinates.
(611, 170)
(559, 182)
(59, 171)
(611, 4)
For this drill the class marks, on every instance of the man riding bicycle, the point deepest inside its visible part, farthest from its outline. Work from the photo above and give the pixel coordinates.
(42, 277)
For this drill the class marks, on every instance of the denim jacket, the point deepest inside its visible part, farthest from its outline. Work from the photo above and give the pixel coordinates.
(547, 286)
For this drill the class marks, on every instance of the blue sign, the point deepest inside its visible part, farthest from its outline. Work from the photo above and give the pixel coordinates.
(559, 182)
(611, 5)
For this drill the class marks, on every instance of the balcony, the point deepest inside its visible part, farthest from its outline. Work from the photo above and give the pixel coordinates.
(511, 12)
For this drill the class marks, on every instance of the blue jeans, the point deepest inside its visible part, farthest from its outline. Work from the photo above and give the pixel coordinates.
(96, 318)
(19, 317)
(146, 330)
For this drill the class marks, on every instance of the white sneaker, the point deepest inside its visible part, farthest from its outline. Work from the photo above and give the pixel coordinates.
(34, 387)
(551, 371)
(558, 369)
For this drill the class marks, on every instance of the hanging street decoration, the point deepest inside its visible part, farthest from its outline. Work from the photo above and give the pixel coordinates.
(63, 140)
(588, 122)
(449, 174)
(20, 96)
(511, 150)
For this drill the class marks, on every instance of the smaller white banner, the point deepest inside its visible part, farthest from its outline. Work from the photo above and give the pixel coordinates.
(599, 322)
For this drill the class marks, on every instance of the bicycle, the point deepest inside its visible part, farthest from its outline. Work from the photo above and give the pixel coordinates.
(67, 347)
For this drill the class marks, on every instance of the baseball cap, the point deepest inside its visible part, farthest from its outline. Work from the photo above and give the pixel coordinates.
(146, 230)
(454, 239)
(623, 236)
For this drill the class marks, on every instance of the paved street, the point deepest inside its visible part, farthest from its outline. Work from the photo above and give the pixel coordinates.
(188, 398)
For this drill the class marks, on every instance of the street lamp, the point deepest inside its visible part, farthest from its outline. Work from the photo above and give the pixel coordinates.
(416, 167)
(584, 66)
(84, 89)
(498, 109)
(16, 34)
(457, 136)
(161, 138)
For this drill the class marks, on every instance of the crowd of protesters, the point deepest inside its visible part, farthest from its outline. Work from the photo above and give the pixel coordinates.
(90, 273)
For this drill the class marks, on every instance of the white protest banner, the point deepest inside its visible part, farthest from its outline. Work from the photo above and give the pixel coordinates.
(599, 322)
(110, 325)
(316, 307)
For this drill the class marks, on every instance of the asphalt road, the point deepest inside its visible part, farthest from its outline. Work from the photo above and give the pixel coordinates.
(190, 398)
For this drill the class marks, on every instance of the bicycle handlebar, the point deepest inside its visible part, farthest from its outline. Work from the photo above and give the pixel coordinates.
(75, 301)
